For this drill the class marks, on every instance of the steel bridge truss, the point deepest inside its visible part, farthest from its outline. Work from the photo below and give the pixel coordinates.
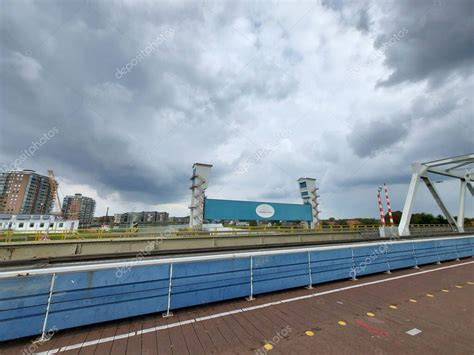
(460, 168)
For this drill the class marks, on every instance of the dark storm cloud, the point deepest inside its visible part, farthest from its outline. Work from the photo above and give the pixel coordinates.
(221, 88)
(427, 113)
(439, 43)
(72, 49)
(373, 137)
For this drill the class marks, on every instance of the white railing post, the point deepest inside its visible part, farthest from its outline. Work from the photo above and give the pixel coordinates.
(388, 261)
(437, 253)
(310, 286)
(50, 296)
(416, 259)
(354, 275)
(251, 298)
(170, 283)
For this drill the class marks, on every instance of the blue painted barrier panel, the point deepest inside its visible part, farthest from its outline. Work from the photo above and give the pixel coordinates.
(278, 272)
(332, 264)
(465, 247)
(370, 260)
(447, 249)
(204, 282)
(88, 297)
(426, 252)
(82, 298)
(21, 327)
(401, 255)
(23, 304)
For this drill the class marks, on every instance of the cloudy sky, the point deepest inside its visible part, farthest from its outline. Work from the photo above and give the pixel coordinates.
(131, 93)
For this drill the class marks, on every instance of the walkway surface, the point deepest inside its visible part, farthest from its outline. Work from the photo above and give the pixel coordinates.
(429, 310)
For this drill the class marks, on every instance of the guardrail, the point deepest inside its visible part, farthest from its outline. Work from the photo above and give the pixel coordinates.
(38, 300)
(153, 232)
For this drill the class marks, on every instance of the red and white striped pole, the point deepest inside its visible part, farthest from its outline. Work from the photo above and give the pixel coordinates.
(379, 200)
(389, 209)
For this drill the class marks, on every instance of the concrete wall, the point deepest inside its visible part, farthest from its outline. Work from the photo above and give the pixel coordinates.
(17, 251)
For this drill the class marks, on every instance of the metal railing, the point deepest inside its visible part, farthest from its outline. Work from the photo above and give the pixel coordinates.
(154, 232)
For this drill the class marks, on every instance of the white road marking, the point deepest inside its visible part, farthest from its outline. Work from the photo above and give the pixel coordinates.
(413, 332)
(248, 309)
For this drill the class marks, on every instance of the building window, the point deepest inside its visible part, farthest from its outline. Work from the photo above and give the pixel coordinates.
(303, 185)
(61, 225)
(20, 225)
(51, 225)
(304, 193)
(32, 225)
(41, 225)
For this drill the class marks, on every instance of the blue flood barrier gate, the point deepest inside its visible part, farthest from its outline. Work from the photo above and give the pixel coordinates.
(249, 210)
(70, 296)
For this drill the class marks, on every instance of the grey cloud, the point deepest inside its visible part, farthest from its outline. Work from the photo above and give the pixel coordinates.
(363, 22)
(208, 89)
(375, 136)
(439, 42)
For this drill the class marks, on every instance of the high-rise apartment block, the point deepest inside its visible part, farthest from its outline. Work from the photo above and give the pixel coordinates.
(79, 207)
(26, 192)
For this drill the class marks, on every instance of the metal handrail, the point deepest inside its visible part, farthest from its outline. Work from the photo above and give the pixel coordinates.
(153, 232)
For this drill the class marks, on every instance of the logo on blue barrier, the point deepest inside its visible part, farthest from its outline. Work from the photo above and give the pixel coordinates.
(265, 211)
(256, 211)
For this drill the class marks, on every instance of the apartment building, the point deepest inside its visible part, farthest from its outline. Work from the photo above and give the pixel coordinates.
(25, 192)
(79, 207)
(141, 217)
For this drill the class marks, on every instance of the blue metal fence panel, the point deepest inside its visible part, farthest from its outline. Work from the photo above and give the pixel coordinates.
(400, 255)
(426, 252)
(369, 260)
(80, 298)
(247, 211)
(278, 272)
(447, 249)
(23, 304)
(465, 247)
(204, 282)
(332, 264)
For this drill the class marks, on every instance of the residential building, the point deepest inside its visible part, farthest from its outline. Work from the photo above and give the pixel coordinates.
(79, 207)
(179, 220)
(26, 192)
(141, 217)
(117, 218)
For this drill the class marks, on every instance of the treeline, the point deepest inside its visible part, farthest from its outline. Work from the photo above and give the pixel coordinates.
(416, 218)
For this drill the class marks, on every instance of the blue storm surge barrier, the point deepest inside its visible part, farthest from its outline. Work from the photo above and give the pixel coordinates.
(246, 210)
(70, 296)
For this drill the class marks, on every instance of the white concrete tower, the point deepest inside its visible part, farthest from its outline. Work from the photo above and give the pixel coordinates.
(309, 194)
(198, 189)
